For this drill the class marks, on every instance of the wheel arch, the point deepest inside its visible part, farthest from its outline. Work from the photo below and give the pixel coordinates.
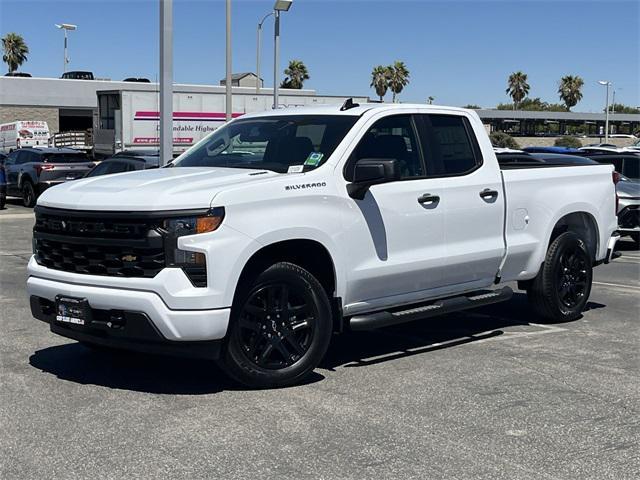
(309, 254)
(582, 224)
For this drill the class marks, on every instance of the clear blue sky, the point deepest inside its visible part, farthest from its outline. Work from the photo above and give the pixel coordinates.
(459, 52)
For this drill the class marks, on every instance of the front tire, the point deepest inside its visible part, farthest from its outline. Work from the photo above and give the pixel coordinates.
(28, 194)
(280, 328)
(561, 289)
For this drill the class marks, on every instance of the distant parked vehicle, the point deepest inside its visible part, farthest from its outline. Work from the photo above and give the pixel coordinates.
(550, 150)
(30, 171)
(627, 164)
(122, 163)
(26, 133)
(3, 182)
(77, 75)
(629, 208)
(18, 74)
(138, 79)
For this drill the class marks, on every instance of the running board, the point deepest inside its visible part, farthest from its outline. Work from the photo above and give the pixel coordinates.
(438, 307)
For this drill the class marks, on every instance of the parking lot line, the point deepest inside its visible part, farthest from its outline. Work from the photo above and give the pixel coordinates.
(8, 216)
(618, 285)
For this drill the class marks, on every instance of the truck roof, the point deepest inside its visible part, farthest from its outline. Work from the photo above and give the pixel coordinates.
(334, 109)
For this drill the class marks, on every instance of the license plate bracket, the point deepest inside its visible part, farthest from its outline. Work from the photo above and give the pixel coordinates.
(72, 310)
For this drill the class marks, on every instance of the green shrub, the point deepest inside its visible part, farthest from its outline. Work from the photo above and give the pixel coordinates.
(503, 140)
(567, 141)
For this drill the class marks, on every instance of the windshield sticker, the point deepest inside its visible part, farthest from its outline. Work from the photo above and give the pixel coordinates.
(314, 159)
(296, 169)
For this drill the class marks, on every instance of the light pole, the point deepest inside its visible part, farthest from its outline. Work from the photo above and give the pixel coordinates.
(280, 6)
(166, 81)
(65, 27)
(259, 46)
(228, 91)
(607, 83)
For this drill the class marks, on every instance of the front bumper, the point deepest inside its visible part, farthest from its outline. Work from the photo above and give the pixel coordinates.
(172, 325)
(133, 331)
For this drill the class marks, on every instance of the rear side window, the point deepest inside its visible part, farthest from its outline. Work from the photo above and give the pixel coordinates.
(449, 145)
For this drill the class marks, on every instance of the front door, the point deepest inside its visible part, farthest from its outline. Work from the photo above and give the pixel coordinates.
(395, 234)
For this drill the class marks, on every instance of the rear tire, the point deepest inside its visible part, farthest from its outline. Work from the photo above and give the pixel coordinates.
(28, 194)
(280, 328)
(3, 200)
(560, 291)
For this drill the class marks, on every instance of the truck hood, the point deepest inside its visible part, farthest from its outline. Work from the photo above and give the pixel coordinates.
(150, 190)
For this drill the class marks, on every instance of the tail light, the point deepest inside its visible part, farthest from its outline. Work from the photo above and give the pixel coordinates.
(615, 176)
(40, 168)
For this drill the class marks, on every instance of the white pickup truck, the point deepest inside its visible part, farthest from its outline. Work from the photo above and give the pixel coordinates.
(282, 228)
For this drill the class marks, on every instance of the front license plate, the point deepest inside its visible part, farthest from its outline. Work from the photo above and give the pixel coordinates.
(72, 310)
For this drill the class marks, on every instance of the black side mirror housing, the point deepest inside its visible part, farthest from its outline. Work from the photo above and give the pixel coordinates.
(372, 171)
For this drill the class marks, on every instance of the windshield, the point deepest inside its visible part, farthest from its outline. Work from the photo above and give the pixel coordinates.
(282, 144)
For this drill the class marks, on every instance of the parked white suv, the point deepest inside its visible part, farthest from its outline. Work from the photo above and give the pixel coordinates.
(281, 228)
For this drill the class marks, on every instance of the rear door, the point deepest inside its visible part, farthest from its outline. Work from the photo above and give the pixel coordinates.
(472, 200)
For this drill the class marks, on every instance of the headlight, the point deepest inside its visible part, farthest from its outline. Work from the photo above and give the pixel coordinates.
(194, 264)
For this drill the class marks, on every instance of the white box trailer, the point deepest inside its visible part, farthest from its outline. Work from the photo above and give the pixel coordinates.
(129, 119)
(25, 133)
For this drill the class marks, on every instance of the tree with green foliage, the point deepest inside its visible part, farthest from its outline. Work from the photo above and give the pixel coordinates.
(296, 73)
(398, 78)
(472, 106)
(534, 105)
(503, 140)
(517, 87)
(570, 90)
(14, 51)
(380, 80)
(567, 141)
(620, 108)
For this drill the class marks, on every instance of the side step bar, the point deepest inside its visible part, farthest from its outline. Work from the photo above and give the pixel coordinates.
(439, 307)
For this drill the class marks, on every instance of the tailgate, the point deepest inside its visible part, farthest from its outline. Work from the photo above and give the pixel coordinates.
(64, 171)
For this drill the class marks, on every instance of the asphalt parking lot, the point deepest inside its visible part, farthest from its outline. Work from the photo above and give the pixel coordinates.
(485, 394)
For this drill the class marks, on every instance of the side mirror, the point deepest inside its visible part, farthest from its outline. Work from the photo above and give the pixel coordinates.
(372, 171)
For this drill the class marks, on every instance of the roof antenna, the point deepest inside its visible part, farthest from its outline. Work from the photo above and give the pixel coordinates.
(348, 104)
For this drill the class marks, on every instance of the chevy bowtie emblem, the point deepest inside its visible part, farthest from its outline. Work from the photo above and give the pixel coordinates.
(129, 258)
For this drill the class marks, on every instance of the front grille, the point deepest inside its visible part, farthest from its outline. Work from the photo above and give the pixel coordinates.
(629, 217)
(98, 243)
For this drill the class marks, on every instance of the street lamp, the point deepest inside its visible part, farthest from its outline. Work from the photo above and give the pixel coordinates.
(607, 83)
(258, 49)
(280, 6)
(65, 27)
(228, 81)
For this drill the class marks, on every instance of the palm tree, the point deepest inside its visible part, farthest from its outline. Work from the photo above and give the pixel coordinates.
(296, 74)
(14, 51)
(430, 100)
(398, 78)
(517, 87)
(380, 80)
(570, 90)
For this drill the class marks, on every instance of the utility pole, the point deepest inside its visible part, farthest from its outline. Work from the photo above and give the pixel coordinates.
(166, 81)
(276, 60)
(228, 90)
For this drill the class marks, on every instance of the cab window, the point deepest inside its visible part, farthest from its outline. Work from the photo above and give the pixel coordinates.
(389, 138)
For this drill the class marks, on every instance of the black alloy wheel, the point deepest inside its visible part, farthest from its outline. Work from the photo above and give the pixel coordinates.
(277, 324)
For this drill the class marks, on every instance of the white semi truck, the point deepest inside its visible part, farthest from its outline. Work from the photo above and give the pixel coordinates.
(129, 119)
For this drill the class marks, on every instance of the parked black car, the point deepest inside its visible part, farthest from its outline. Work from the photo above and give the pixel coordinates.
(78, 75)
(628, 164)
(30, 171)
(3, 182)
(122, 163)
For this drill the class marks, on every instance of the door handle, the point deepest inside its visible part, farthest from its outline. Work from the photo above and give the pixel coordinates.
(488, 194)
(428, 198)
